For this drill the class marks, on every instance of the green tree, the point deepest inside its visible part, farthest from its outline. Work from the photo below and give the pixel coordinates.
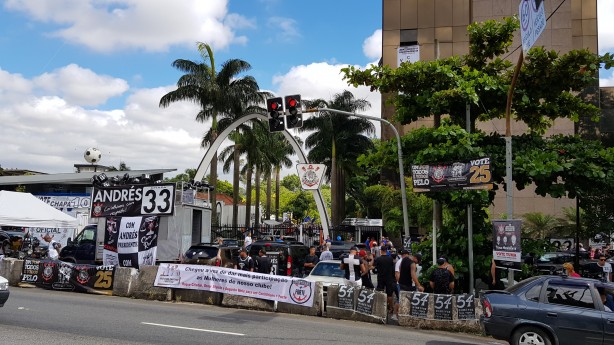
(337, 141)
(122, 167)
(537, 225)
(546, 90)
(215, 92)
(291, 182)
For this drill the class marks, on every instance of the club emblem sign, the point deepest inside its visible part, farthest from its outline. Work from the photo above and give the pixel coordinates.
(300, 291)
(310, 175)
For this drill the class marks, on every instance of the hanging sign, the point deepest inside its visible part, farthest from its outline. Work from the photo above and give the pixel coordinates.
(472, 174)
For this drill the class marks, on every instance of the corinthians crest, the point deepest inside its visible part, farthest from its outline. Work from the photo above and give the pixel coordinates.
(439, 173)
(310, 175)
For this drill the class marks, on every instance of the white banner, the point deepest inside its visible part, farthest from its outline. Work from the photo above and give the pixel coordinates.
(409, 54)
(235, 282)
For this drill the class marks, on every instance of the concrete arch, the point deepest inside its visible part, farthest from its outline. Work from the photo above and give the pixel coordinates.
(206, 161)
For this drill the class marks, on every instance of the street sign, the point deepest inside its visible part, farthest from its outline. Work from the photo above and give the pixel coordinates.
(532, 21)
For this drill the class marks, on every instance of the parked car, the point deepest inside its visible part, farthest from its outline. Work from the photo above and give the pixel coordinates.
(549, 310)
(206, 254)
(552, 262)
(327, 272)
(4, 291)
(287, 258)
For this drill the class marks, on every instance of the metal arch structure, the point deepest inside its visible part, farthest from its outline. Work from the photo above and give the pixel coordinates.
(206, 161)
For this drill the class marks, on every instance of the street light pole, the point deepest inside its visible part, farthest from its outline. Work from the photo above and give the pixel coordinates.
(399, 152)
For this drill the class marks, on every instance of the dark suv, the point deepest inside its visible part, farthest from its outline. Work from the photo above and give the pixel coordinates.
(287, 259)
(205, 254)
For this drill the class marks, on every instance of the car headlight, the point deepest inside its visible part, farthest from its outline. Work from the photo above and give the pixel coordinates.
(4, 286)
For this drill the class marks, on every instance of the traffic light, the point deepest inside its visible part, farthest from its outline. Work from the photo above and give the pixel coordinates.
(294, 113)
(276, 112)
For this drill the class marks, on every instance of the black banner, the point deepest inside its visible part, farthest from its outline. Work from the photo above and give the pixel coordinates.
(474, 174)
(345, 297)
(465, 307)
(419, 305)
(119, 201)
(365, 300)
(443, 307)
(59, 275)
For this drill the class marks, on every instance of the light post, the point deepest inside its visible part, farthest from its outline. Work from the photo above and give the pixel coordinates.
(399, 152)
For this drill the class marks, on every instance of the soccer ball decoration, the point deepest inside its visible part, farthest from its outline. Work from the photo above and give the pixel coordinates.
(92, 155)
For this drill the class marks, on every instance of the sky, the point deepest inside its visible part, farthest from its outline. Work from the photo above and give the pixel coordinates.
(76, 74)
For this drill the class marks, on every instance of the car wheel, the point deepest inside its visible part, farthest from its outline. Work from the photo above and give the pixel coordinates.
(530, 336)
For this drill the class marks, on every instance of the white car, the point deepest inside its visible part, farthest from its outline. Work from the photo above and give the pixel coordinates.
(327, 272)
(4, 290)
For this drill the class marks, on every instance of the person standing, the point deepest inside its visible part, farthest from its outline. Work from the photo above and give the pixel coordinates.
(248, 240)
(368, 260)
(495, 274)
(263, 263)
(568, 266)
(606, 267)
(311, 260)
(326, 253)
(53, 250)
(384, 265)
(353, 266)
(442, 280)
(407, 274)
(244, 261)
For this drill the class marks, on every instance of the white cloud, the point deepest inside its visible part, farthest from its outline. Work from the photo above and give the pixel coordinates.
(50, 133)
(605, 14)
(286, 28)
(372, 46)
(151, 25)
(81, 86)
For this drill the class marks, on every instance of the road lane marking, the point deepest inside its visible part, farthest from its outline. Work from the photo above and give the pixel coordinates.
(192, 329)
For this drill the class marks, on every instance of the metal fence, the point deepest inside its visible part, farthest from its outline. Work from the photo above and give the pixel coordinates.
(310, 234)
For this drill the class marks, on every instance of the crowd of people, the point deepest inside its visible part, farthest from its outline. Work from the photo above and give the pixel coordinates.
(395, 271)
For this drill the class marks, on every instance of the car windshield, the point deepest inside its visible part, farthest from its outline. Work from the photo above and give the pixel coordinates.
(328, 269)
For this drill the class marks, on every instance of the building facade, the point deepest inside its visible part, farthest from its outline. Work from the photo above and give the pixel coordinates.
(439, 28)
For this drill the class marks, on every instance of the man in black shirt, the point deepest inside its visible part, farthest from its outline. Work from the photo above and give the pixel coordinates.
(354, 267)
(385, 276)
(245, 262)
(263, 263)
(408, 278)
(311, 260)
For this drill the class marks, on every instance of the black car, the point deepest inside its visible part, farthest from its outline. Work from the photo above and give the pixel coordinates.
(552, 262)
(206, 254)
(545, 310)
(287, 258)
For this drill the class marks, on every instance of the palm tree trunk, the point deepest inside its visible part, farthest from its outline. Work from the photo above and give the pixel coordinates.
(235, 186)
(268, 195)
(337, 193)
(213, 181)
(257, 179)
(277, 179)
(248, 197)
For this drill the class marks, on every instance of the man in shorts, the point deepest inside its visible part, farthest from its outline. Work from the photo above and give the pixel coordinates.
(385, 278)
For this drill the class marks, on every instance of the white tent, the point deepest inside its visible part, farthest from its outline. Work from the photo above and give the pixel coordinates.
(26, 210)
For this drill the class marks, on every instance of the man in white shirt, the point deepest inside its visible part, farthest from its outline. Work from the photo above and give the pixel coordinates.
(53, 250)
(326, 253)
(606, 267)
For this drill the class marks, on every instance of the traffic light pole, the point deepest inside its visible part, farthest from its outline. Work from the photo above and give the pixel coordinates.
(399, 152)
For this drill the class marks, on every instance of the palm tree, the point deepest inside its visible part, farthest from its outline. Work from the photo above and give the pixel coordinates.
(277, 155)
(213, 91)
(337, 141)
(538, 225)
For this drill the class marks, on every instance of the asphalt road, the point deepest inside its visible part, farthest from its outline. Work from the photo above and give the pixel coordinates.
(37, 316)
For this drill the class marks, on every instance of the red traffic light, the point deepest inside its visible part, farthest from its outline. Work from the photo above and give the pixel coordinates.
(274, 107)
(293, 104)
